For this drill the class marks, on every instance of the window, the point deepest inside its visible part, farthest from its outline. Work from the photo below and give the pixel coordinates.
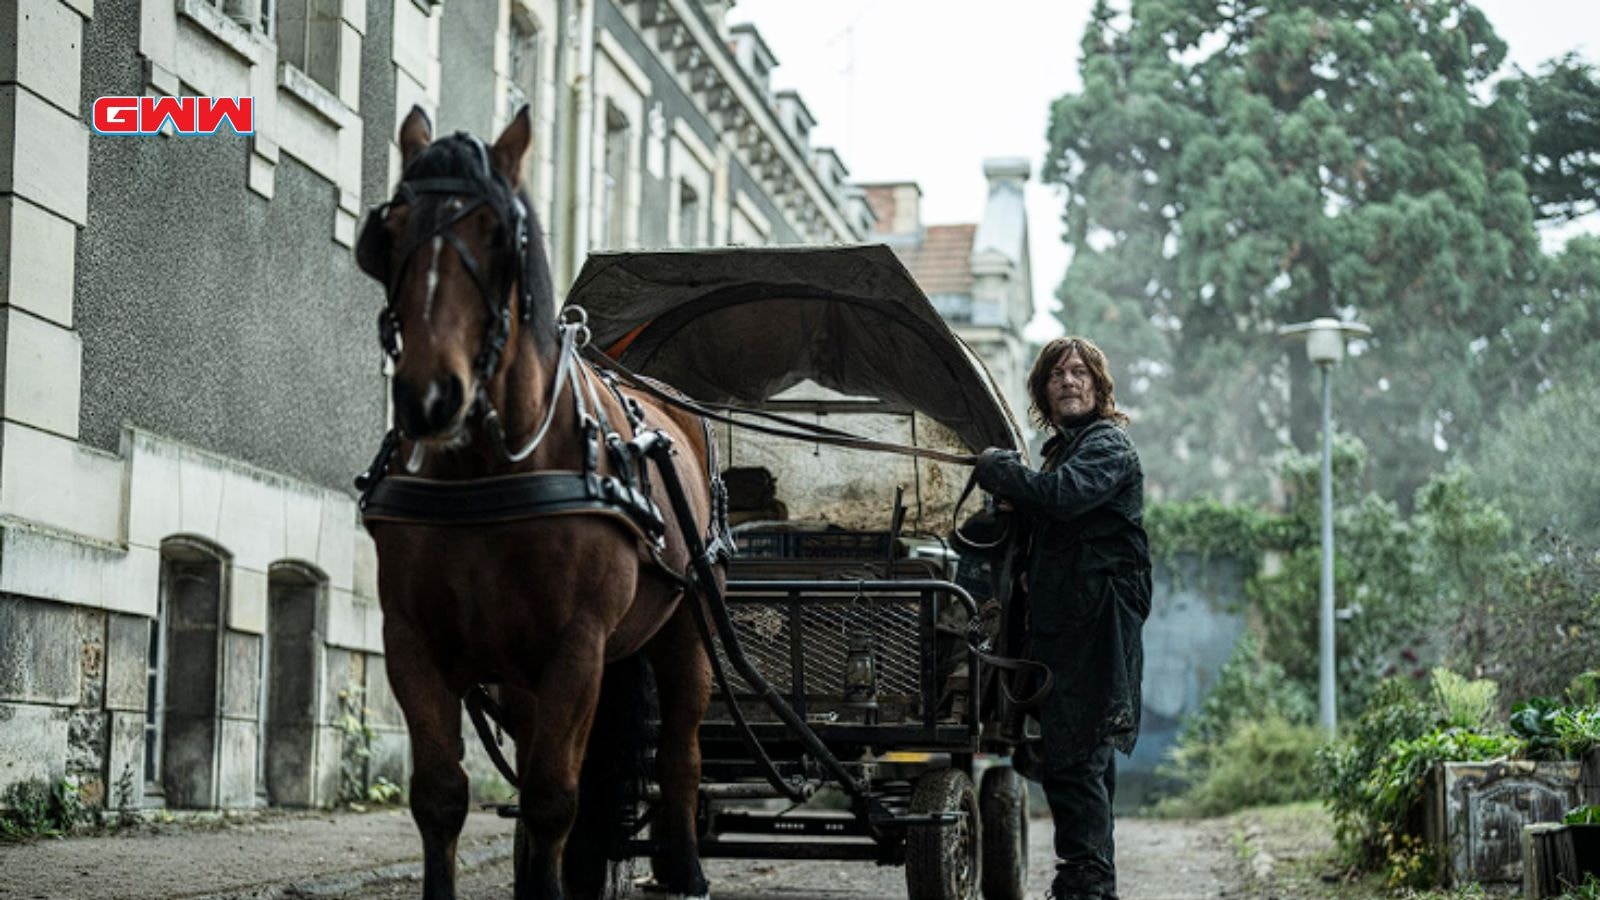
(523, 87)
(252, 15)
(153, 706)
(689, 215)
(308, 38)
(188, 653)
(614, 191)
(295, 605)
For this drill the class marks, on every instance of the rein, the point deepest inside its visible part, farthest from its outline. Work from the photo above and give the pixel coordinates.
(797, 431)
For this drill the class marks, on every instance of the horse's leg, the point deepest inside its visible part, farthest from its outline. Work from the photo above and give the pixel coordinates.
(683, 679)
(551, 756)
(438, 783)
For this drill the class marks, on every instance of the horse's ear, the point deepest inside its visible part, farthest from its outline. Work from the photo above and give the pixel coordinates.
(512, 146)
(416, 132)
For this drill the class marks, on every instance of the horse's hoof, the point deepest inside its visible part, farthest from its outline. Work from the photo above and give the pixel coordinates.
(653, 889)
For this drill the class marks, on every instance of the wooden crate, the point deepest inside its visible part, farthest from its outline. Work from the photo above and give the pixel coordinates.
(1476, 813)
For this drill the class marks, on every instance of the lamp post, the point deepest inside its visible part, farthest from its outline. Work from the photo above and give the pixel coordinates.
(1325, 346)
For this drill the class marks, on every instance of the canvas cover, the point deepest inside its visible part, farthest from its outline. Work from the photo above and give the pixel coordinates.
(742, 324)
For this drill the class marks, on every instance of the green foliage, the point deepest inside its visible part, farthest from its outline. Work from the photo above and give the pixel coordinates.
(1248, 689)
(1589, 890)
(1400, 777)
(1464, 703)
(383, 792)
(1348, 770)
(37, 808)
(1379, 578)
(357, 748)
(1563, 103)
(1232, 167)
(1553, 731)
(1584, 689)
(1539, 462)
(1260, 762)
(1249, 743)
(1209, 528)
(1583, 815)
(1530, 619)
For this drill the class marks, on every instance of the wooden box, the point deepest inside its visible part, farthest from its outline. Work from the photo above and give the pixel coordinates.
(1476, 813)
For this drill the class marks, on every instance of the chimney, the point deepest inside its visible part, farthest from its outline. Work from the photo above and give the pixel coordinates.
(897, 207)
(1007, 171)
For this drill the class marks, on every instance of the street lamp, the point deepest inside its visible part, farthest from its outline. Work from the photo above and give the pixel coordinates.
(1325, 346)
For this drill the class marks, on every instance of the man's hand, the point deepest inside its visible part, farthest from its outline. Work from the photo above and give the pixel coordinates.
(993, 455)
(984, 471)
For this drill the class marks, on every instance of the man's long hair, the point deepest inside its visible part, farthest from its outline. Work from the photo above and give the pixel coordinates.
(1105, 401)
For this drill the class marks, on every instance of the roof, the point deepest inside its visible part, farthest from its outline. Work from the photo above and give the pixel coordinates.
(942, 261)
(743, 324)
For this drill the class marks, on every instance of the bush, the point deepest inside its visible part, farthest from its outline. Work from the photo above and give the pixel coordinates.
(1248, 689)
(41, 809)
(1263, 762)
(1249, 742)
(1346, 770)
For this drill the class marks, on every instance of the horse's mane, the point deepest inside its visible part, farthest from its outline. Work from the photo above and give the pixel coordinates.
(456, 156)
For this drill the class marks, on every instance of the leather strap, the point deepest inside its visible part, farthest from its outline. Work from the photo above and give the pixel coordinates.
(481, 707)
(510, 498)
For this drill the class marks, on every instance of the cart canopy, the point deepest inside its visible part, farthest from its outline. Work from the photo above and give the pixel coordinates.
(743, 324)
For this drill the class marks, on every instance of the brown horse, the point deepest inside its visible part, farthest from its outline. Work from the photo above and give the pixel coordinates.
(549, 608)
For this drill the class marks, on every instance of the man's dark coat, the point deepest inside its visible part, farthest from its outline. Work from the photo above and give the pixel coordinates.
(1088, 581)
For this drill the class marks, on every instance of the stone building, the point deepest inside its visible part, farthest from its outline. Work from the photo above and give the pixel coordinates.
(191, 375)
(976, 274)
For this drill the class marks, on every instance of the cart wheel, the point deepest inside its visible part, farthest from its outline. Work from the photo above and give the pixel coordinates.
(1003, 802)
(942, 861)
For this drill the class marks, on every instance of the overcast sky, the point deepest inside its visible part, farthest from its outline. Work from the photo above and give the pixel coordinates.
(907, 94)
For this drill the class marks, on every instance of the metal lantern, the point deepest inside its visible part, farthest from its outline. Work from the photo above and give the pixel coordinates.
(860, 664)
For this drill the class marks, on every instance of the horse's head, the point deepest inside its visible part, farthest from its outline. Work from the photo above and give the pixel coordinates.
(462, 257)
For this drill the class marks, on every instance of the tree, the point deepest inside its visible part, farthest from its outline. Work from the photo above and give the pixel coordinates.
(1232, 167)
(1554, 338)
(1539, 466)
(1563, 162)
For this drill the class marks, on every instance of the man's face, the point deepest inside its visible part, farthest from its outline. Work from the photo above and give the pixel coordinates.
(1070, 389)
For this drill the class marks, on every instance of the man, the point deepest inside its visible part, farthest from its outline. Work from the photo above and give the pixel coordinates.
(1088, 589)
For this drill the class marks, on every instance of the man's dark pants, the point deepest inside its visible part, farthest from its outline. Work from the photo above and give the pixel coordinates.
(1080, 796)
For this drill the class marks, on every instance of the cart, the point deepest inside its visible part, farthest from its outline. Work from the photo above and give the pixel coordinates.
(843, 597)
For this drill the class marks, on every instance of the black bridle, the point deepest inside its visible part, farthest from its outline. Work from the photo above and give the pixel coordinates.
(433, 216)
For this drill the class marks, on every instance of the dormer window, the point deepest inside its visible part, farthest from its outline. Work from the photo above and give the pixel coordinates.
(753, 56)
(796, 119)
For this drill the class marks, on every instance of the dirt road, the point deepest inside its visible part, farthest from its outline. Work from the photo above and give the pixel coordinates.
(1156, 860)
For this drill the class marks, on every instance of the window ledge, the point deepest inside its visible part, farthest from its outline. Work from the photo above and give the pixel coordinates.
(321, 100)
(226, 31)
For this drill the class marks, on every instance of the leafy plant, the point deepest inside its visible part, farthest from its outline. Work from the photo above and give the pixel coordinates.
(1251, 723)
(1553, 731)
(1396, 714)
(383, 792)
(38, 808)
(1464, 703)
(1589, 890)
(1583, 815)
(357, 749)
(1261, 762)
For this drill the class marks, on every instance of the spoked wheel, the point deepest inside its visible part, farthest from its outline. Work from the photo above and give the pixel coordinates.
(1003, 802)
(943, 862)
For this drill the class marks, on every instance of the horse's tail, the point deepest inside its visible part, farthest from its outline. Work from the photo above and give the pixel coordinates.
(616, 766)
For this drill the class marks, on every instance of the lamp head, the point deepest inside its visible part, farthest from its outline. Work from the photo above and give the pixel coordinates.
(1325, 338)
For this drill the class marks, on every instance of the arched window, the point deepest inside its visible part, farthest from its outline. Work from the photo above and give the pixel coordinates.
(182, 721)
(296, 607)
